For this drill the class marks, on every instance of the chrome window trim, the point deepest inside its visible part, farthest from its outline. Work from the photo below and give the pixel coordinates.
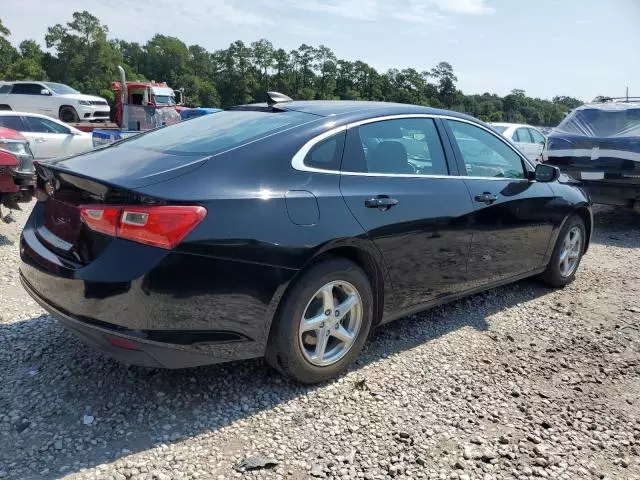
(297, 162)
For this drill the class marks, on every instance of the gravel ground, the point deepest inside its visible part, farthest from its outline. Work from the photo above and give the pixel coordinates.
(518, 382)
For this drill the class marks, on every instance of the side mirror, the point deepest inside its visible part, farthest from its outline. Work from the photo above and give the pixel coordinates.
(546, 173)
(44, 91)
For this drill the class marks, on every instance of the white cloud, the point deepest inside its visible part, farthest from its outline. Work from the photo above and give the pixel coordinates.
(356, 9)
(466, 7)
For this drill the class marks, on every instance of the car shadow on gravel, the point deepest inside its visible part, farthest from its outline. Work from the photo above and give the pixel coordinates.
(51, 385)
(616, 227)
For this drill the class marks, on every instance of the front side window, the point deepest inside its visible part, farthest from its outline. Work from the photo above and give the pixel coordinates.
(403, 146)
(6, 88)
(537, 136)
(484, 154)
(43, 125)
(521, 135)
(60, 88)
(26, 89)
(14, 122)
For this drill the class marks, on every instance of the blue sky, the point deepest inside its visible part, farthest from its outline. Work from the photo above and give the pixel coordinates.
(580, 48)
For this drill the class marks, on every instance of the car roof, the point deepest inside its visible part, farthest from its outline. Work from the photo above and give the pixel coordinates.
(326, 108)
(506, 124)
(609, 106)
(26, 81)
(26, 114)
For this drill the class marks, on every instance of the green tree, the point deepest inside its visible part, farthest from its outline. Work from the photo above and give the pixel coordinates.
(8, 54)
(29, 64)
(82, 58)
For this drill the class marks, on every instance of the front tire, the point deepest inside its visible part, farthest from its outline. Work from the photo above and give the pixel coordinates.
(68, 115)
(5, 108)
(567, 254)
(323, 322)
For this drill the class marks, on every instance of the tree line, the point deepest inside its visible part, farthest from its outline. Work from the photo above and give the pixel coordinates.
(81, 54)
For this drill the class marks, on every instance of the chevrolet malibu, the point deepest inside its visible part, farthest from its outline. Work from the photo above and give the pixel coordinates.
(290, 230)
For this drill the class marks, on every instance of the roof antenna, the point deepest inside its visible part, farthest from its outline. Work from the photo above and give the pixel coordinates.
(273, 98)
(627, 93)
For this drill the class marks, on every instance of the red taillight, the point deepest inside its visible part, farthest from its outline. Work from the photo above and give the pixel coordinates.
(160, 226)
(101, 219)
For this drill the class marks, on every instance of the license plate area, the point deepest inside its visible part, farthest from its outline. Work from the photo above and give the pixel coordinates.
(592, 175)
(63, 220)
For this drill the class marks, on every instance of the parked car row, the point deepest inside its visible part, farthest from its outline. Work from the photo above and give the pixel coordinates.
(289, 230)
(55, 100)
(599, 145)
(17, 173)
(528, 139)
(47, 137)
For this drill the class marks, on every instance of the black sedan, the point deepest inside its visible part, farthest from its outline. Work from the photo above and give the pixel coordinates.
(289, 230)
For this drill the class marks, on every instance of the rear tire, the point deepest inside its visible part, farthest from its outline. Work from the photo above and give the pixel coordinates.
(296, 348)
(5, 107)
(567, 254)
(68, 114)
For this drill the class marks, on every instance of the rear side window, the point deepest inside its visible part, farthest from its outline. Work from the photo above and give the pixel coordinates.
(326, 154)
(5, 88)
(615, 121)
(218, 132)
(14, 122)
(404, 146)
(26, 89)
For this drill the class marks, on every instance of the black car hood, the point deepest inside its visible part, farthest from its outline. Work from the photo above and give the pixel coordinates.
(128, 167)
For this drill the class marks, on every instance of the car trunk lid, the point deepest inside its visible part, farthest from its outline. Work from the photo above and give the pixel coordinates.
(59, 225)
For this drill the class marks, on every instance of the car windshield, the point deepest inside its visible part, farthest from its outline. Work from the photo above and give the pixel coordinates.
(165, 100)
(596, 122)
(60, 88)
(499, 128)
(211, 134)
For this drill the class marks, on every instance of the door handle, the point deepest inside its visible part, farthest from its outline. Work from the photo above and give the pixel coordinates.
(40, 140)
(486, 197)
(381, 202)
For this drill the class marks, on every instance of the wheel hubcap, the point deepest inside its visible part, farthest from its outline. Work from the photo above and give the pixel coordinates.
(330, 323)
(570, 252)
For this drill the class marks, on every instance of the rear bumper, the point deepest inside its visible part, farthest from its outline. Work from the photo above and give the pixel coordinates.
(135, 350)
(181, 309)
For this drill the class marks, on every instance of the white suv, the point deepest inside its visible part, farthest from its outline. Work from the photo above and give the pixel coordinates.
(54, 100)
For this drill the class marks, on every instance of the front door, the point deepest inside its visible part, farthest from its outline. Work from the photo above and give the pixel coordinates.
(512, 225)
(395, 180)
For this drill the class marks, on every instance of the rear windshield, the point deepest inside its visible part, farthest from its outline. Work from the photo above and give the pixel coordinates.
(594, 122)
(499, 128)
(218, 132)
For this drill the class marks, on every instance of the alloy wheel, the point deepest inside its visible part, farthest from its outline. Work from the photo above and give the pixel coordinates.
(570, 251)
(330, 323)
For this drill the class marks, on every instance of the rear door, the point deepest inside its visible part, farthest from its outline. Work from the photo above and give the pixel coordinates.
(399, 185)
(512, 225)
(27, 97)
(48, 139)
